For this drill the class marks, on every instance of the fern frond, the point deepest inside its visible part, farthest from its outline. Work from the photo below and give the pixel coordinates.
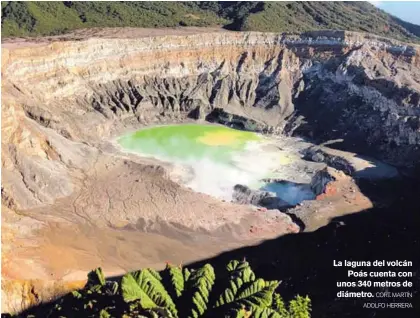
(174, 279)
(104, 314)
(265, 313)
(248, 275)
(146, 286)
(252, 288)
(155, 274)
(187, 274)
(241, 269)
(159, 313)
(300, 307)
(178, 292)
(199, 286)
(131, 291)
(252, 296)
(150, 281)
(279, 306)
(240, 273)
(232, 265)
(272, 284)
(238, 313)
(96, 277)
(230, 292)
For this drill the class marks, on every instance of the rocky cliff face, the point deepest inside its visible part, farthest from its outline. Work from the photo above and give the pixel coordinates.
(62, 101)
(325, 85)
(330, 85)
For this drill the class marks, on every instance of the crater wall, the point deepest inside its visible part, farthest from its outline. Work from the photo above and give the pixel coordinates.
(60, 98)
(63, 99)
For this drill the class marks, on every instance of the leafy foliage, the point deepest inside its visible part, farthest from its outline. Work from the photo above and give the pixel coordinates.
(300, 307)
(178, 292)
(351, 16)
(146, 287)
(96, 277)
(175, 280)
(196, 297)
(49, 18)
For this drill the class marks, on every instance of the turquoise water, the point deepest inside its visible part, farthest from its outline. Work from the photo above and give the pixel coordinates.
(290, 192)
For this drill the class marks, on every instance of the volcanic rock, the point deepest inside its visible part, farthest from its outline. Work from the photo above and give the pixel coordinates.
(244, 195)
(75, 199)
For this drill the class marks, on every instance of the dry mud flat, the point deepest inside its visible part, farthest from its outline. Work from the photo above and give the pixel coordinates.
(70, 202)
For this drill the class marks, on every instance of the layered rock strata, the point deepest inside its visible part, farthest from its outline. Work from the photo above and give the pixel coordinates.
(64, 101)
(61, 95)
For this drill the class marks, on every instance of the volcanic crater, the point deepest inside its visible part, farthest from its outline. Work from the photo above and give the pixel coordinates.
(333, 108)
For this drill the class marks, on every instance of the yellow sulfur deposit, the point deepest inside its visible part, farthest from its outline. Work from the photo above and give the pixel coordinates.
(221, 138)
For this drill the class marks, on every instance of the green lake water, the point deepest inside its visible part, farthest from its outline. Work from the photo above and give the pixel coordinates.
(212, 159)
(188, 142)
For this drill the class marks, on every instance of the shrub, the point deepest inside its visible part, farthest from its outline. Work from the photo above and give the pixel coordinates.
(179, 292)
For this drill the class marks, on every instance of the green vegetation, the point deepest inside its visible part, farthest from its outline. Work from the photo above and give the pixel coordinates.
(50, 18)
(178, 292)
(350, 16)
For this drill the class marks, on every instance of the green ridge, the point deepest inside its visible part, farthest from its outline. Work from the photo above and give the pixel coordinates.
(51, 18)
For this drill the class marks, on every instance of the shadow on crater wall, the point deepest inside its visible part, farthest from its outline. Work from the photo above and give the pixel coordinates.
(304, 262)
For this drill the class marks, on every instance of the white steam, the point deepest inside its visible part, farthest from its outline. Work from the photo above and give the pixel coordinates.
(217, 179)
(204, 171)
